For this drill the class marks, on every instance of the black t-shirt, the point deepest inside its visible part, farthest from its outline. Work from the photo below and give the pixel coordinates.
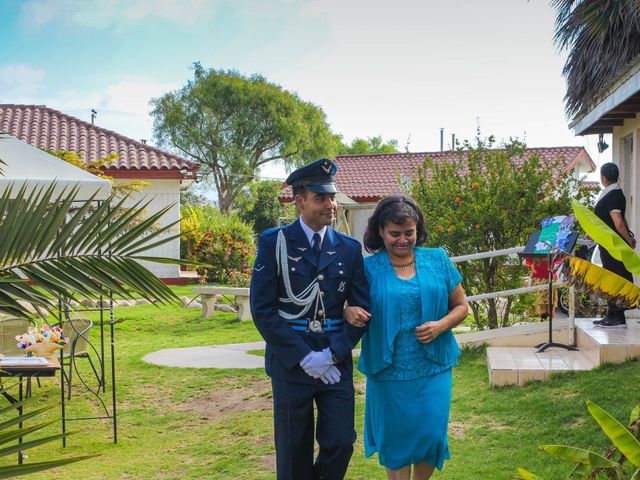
(614, 200)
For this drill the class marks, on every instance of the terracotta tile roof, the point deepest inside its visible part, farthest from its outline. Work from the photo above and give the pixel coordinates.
(47, 128)
(369, 178)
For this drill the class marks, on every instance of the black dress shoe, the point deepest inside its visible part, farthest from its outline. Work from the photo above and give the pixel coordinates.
(608, 322)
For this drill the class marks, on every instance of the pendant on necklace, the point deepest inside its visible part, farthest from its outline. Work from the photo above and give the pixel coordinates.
(404, 266)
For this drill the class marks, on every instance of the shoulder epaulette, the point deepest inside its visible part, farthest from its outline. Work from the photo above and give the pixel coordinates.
(347, 237)
(271, 231)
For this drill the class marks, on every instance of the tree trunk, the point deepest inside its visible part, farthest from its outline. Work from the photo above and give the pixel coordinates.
(224, 203)
(475, 308)
(507, 311)
(492, 313)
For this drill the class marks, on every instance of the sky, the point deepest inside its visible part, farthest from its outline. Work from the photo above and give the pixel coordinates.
(402, 69)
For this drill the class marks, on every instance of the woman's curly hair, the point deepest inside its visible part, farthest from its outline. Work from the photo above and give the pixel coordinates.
(393, 209)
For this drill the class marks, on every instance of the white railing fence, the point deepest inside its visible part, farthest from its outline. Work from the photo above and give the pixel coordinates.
(515, 291)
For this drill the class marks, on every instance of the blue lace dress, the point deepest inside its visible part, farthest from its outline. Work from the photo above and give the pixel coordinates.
(407, 403)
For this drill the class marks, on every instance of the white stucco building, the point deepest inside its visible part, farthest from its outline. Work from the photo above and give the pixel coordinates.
(167, 174)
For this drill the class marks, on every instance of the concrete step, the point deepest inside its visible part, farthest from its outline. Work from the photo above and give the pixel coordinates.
(511, 362)
(519, 365)
(608, 345)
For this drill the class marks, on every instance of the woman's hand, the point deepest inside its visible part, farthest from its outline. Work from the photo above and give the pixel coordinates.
(356, 316)
(429, 331)
(458, 311)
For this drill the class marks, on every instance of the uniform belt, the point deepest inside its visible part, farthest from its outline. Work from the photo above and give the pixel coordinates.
(302, 324)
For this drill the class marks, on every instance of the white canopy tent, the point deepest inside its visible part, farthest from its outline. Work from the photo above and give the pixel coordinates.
(27, 165)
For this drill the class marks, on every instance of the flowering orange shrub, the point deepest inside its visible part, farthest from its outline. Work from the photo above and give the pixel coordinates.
(230, 259)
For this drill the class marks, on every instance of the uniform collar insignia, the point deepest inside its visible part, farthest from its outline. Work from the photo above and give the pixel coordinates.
(302, 249)
(329, 253)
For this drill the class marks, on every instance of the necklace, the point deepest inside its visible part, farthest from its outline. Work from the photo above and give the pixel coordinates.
(404, 266)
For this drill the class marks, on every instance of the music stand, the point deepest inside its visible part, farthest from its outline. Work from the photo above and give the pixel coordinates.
(551, 254)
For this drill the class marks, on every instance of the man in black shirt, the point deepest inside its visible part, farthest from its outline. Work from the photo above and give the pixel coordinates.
(611, 208)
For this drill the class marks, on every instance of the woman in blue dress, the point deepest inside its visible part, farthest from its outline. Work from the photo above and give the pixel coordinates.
(409, 350)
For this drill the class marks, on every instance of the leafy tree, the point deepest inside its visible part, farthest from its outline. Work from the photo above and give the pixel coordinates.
(258, 204)
(490, 199)
(233, 124)
(96, 168)
(361, 146)
(193, 198)
(602, 37)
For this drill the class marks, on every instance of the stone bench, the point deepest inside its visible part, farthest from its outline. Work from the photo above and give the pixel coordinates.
(209, 297)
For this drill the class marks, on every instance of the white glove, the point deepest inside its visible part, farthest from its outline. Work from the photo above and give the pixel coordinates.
(331, 376)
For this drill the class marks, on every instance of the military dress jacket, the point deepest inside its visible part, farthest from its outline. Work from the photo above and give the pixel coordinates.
(340, 273)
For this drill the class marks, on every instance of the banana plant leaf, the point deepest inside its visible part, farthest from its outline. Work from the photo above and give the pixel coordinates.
(593, 279)
(635, 414)
(525, 475)
(622, 438)
(579, 472)
(578, 455)
(606, 237)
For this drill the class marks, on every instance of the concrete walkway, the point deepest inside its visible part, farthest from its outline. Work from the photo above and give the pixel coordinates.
(236, 356)
(222, 356)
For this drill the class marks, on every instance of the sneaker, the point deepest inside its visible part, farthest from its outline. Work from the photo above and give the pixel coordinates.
(612, 323)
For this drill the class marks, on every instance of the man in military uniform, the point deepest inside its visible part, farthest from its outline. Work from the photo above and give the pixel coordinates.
(303, 275)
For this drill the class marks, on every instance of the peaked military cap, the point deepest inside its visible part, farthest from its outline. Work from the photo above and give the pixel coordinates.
(318, 176)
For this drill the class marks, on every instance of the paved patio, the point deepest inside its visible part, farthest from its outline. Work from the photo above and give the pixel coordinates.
(216, 356)
(515, 363)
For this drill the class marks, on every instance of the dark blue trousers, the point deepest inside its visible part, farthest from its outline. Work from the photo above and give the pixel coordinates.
(615, 266)
(294, 429)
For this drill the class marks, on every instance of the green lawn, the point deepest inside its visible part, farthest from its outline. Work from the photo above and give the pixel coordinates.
(204, 423)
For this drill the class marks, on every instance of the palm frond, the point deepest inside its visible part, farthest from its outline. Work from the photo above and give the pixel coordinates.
(33, 443)
(13, 471)
(8, 437)
(603, 37)
(67, 250)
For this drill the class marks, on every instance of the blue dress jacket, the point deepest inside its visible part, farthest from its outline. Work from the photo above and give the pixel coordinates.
(437, 278)
(340, 271)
